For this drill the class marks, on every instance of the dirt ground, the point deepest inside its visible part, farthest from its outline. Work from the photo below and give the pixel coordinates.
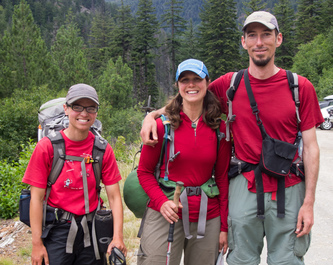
(15, 241)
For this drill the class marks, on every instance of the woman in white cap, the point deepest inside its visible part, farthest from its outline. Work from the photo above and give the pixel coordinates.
(194, 114)
(73, 198)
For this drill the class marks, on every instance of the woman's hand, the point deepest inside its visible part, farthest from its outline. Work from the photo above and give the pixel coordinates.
(169, 211)
(223, 242)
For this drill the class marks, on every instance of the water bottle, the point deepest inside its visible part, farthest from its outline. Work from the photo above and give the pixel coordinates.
(104, 228)
(24, 206)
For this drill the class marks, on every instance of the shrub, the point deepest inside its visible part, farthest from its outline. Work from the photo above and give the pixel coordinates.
(11, 174)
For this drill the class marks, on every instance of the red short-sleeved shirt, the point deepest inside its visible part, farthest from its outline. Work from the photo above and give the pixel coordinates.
(67, 192)
(277, 112)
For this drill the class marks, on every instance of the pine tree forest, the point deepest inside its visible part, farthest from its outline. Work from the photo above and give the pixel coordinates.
(129, 51)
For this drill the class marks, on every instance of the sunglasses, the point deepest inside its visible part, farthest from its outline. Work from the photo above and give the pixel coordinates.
(79, 108)
(117, 257)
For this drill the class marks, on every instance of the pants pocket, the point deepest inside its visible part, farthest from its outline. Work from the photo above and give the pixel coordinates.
(231, 243)
(302, 245)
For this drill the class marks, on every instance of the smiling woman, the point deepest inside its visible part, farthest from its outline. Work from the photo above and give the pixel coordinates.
(74, 198)
(194, 114)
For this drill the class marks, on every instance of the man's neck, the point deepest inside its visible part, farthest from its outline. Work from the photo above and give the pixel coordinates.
(263, 72)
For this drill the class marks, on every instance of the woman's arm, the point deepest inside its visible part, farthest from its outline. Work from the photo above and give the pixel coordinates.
(39, 252)
(116, 205)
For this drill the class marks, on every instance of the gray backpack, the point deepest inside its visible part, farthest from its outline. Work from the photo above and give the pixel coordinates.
(52, 118)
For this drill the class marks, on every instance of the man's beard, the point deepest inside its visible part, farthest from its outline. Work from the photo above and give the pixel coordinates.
(261, 62)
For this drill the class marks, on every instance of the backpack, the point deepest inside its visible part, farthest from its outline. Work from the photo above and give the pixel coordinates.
(234, 83)
(135, 197)
(268, 151)
(52, 118)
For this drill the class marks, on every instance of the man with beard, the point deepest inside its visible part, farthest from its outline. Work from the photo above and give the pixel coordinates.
(288, 236)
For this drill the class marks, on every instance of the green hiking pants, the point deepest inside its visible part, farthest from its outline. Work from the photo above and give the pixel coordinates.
(246, 232)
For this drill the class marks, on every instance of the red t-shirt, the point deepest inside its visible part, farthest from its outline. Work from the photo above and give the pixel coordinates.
(277, 112)
(67, 191)
(193, 166)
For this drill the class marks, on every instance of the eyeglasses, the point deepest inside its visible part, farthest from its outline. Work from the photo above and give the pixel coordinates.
(79, 108)
(117, 257)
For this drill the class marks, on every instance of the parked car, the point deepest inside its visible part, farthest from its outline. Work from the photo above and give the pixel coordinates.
(327, 113)
(328, 101)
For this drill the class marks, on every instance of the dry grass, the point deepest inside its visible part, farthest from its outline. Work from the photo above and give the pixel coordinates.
(131, 223)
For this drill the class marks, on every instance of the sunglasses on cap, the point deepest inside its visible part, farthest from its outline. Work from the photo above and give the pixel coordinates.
(117, 257)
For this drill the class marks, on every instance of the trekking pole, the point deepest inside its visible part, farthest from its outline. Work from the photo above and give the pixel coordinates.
(176, 196)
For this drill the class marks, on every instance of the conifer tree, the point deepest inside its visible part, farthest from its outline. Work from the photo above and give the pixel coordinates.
(115, 85)
(68, 54)
(24, 58)
(254, 5)
(123, 33)
(100, 42)
(145, 42)
(220, 38)
(308, 20)
(173, 21)
(326, 21)
(285, 16)
(189, 43)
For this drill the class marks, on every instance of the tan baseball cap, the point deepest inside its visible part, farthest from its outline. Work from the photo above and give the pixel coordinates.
(264, 18)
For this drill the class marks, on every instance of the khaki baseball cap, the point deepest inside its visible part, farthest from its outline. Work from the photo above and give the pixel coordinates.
(264, 18)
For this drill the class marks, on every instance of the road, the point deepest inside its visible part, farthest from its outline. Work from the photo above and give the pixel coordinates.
(321, 249)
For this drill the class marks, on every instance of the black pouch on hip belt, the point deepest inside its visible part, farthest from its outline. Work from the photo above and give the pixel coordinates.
(104, 229)
(276, 157)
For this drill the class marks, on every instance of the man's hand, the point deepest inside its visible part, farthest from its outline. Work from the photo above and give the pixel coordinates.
(305, 220)
(149, 128)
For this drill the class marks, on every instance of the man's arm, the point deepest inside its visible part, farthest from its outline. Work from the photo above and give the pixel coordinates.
(116, 205)
(149, 129)
(311, 166)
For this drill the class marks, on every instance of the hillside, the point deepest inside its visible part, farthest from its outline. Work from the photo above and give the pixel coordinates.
(192, 7)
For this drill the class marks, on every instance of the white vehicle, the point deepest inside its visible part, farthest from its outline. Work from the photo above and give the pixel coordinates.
(327, 113)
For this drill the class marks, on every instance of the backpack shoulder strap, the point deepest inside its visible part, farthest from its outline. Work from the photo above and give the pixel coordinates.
(58, 144)
(98, 152)
(293, 84)
(234, 83)
(219, 135)
(167, 137)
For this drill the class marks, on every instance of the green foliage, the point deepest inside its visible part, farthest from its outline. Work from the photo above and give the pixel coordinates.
(68, 55)
(24, 59)
(115, 85)
(122, 41)
(219, 37)
(175, 24)
(100, 41)
(308, 23)
(18, 121)
(126, 123)
(285, 16)
(254, 5)
(312, 58)
(11, 175)
(145, 41)
(325, 84)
